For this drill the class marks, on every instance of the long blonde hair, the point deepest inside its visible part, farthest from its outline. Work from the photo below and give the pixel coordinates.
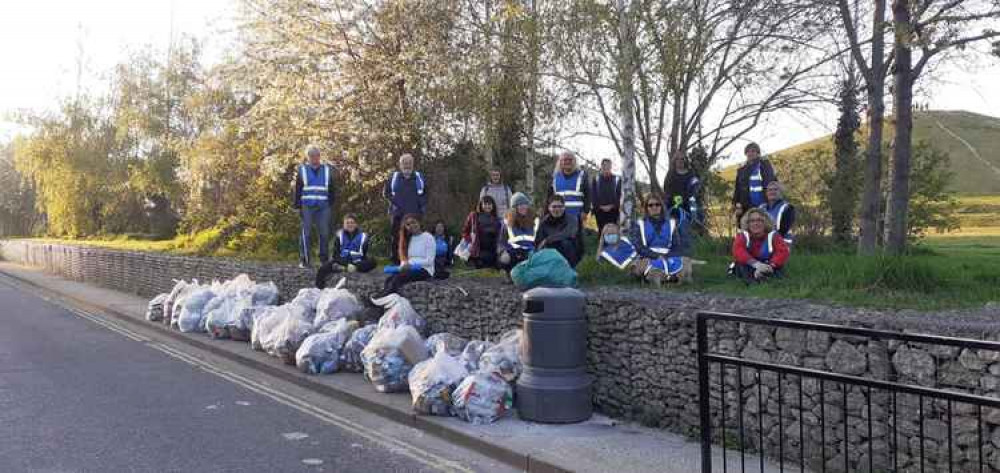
(604, 231)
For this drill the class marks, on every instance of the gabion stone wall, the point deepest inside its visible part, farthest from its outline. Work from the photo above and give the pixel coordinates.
(642, 354)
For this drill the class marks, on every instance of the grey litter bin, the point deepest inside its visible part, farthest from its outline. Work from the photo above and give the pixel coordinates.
(554, 386)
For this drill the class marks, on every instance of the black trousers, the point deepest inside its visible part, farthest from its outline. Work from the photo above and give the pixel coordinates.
(326, 270)
(398, 280)
(604, 218)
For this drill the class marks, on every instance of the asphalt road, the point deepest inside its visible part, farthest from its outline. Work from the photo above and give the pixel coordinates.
(77, 396)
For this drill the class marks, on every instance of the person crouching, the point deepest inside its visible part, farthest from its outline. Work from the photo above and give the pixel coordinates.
(759, 252)
(350, 252)
(518, 233)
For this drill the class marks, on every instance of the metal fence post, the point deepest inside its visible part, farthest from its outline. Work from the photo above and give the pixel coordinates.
(703, 393)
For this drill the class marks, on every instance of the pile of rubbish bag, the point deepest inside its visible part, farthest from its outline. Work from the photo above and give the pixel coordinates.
(216, 308)
(320, 332)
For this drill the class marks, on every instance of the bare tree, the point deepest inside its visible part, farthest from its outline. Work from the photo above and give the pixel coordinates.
(924, 30)
(873, 73)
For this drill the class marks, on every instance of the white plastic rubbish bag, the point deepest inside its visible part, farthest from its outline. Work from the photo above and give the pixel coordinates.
(243, 331)
(504, 358)
(192, 312)
(178, 301)
(446, 342)
(390, 355)
(482, 398)
(320, 352)
(265, 293)
(154, 310)
(264, 324)
(398, 311)
(289, 335)
(472, 353)
(336, 303)
(432, 382)
(226, 319)
(307, 298)
(168, 304)
(350, 355)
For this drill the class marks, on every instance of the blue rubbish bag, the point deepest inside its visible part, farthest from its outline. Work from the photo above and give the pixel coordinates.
(544, 268)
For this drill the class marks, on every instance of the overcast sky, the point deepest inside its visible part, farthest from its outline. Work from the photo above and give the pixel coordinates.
(40, 42)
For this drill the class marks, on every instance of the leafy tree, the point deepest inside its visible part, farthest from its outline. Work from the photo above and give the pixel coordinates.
(844, 183)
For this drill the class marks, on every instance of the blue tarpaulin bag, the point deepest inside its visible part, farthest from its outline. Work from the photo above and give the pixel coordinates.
(544, 268)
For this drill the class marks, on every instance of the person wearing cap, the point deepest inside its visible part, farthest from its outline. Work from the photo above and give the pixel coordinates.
(759, 252)
(518, 232)
(313, 198)
(350, 252)
(752, 179)
(406, 191)
(570, 183)
(782, 213)
(499, 191)
(606, 190)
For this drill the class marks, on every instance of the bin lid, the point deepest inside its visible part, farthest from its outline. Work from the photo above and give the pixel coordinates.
(554, 300)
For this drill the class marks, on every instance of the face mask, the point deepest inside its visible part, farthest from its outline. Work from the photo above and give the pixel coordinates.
(611, 239)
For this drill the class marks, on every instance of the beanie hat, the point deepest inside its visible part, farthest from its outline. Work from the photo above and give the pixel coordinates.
(520, 198)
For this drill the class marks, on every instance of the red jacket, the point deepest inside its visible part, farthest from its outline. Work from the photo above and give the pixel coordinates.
(779, 250)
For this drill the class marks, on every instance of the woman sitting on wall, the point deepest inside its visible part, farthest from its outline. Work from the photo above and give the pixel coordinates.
(558, 231)
(518, 233)
(759, 252)
(655, 236)
(416, 256)
(481, 231)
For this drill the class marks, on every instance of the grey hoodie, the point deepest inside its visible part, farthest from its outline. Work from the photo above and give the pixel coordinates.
(500, 193)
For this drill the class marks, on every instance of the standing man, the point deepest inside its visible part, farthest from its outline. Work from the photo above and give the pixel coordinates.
(571, 183)
(751, 180)
(406, 191)
(314, 200)
(499, 191)
(607, 193)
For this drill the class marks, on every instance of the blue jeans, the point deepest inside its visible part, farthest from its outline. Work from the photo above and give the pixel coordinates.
(321, 216)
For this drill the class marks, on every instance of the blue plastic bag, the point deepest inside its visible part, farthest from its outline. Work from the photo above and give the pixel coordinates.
(544, 268)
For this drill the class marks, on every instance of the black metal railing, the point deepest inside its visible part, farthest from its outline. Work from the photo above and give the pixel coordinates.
(787, 414)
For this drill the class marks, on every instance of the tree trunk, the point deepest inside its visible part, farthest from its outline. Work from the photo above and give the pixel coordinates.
(868, 238)
(535, 51)
(626, 71)
(895, 230)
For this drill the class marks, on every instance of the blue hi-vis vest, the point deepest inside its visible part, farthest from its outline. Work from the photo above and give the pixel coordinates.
(756, 186)
(621, 255)
(352, 249)
(777, 212)
(669, 265)
(657, 242)
(521, 239)
(440, 246)
(396, 176)
(315, 185)
(765, 250)
(571, 189)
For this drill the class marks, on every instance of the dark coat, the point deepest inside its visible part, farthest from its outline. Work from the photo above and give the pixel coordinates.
(741, 194)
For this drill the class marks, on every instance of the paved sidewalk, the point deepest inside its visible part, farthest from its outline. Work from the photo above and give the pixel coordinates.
(599, 445)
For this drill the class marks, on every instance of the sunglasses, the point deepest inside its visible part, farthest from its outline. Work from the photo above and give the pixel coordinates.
(654, 204)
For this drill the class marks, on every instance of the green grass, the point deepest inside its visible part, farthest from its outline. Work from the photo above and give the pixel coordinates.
(945, 271)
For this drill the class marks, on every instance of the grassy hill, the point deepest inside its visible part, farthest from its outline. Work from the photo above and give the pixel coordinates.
(972, 141)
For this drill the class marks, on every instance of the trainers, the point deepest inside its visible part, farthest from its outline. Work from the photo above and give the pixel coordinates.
(304, 266)
(351, 268)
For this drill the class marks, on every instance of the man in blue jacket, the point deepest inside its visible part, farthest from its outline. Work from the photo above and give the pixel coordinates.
(406, 191)
(313, 199)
